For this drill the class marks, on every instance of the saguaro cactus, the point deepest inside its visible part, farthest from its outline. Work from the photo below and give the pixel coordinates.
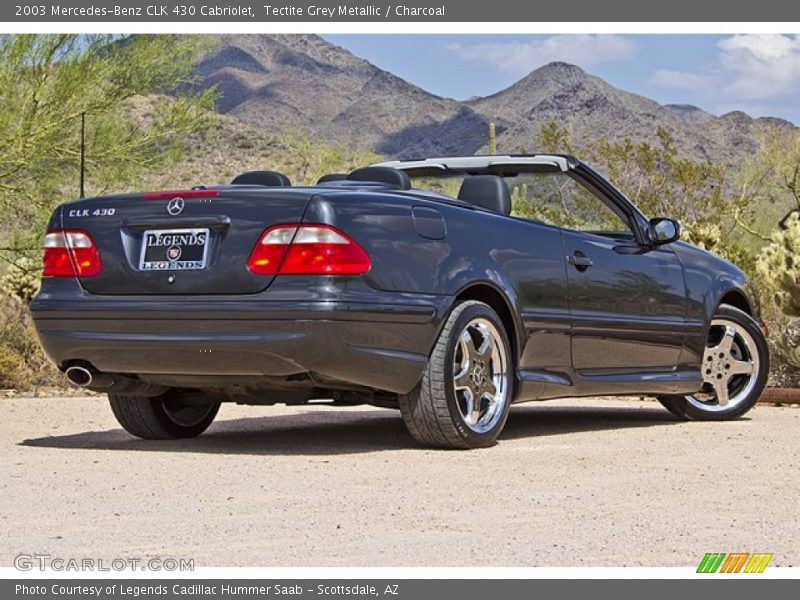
(492, 139)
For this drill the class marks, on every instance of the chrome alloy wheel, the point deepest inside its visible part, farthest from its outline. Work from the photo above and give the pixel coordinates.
(480, 377)
(730, 367)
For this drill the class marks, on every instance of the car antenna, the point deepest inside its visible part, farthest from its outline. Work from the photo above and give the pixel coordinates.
(83, 153)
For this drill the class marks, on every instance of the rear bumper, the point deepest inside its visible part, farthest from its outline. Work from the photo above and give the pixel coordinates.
(378, 345)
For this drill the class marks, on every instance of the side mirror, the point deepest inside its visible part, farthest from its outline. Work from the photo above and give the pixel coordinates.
(664, 231)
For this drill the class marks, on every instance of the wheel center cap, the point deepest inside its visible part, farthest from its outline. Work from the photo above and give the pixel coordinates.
(718, 366)
(478, 373)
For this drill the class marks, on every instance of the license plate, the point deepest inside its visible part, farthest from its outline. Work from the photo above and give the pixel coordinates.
(174, 250)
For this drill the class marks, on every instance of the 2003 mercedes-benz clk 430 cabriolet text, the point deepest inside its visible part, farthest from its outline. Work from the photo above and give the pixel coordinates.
(363, 289)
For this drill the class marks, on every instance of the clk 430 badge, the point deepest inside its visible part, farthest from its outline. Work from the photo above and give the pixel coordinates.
(87, 212)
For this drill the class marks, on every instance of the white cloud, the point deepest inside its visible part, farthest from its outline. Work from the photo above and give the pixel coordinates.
(759, 74)
(757, 67)
(520, 58)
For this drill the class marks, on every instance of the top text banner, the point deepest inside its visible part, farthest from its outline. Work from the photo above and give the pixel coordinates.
(275, 11)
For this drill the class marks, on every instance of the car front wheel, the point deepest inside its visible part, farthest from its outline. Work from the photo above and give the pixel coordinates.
(735, 368)
(465, 393)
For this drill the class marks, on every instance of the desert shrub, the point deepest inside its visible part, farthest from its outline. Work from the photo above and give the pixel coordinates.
(22, 363)
(13, 374)
(305, 158)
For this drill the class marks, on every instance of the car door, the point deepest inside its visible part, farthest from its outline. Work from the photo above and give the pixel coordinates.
(627, 304)
(627, 296)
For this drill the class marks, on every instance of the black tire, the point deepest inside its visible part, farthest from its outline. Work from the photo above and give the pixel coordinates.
(165, 417)
(683, 407)
(431, 411)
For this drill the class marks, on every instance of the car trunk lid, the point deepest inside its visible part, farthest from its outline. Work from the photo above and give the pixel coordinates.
(181, 242)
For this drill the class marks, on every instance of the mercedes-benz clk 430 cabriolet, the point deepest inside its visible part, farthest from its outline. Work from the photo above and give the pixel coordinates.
(431, 298)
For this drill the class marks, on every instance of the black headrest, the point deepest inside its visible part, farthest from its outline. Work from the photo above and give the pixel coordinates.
(486, 191)
(382, 175)
(267, 178)
(331, 177)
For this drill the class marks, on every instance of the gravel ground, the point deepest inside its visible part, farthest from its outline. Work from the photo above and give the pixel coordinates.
(578, 482)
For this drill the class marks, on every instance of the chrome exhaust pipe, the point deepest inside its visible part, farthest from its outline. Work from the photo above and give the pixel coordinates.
(88, 378)
(80, 376)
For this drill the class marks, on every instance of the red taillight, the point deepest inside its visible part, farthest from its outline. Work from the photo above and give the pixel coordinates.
(307, 250)
(70, 253)
(180, 193)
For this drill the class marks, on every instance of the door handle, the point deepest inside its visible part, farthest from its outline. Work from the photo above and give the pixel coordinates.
(580, 261)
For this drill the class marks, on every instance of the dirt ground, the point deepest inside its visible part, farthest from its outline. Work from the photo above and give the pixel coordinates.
(571, 483)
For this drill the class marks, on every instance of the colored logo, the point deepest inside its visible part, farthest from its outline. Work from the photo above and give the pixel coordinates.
(735, 562)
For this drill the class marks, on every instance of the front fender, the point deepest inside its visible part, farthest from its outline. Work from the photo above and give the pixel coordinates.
(738, 288)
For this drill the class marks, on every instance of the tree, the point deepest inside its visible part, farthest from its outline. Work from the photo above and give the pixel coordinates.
(776, 169)
(138, 97)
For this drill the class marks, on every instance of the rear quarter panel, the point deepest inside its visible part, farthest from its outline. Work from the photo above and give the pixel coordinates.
(521, 259)
(478, 245)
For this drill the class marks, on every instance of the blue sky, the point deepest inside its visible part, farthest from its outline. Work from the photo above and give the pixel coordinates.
(759, 74)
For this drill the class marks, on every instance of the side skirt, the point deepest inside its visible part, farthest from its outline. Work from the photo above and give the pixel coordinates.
(546, 385)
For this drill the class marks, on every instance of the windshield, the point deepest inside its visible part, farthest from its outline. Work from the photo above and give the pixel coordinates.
(554, 198)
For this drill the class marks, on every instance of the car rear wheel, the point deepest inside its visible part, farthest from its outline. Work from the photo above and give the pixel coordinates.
(734, 369)
(465, 393)
(172, 415)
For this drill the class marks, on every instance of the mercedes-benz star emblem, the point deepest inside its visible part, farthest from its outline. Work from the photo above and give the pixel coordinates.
(175, 206)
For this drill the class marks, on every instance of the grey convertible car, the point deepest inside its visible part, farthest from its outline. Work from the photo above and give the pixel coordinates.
(406, 284)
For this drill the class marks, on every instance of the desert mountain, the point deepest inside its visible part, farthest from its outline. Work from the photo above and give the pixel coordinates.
(302, 81)
(590, 108)
(285, 81)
